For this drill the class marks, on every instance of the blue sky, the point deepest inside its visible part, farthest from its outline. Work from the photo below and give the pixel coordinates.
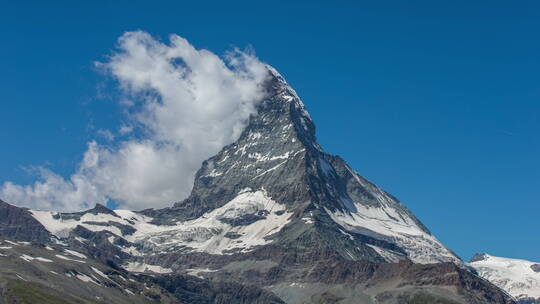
(437, 103)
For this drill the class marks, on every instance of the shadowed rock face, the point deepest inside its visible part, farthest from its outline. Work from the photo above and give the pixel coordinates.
(528, 300)
(19, 224)
(535, 267)
(190, 289)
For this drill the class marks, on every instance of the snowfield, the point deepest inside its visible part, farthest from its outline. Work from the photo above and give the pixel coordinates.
(517, 277)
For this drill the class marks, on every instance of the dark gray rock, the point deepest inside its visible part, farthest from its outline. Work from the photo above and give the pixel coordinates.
(528, 301)
(98, 246)
(18, 224)
(243, 220)
(478, 257)
(190, 289)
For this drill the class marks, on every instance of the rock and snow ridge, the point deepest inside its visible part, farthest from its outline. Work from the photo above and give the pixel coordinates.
(239, 225)
(520, 278)
(249, 191)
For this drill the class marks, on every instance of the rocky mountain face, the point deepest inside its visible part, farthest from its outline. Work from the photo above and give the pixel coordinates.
(18, 223)
(37, 273)
(272, 218)
(519, 278)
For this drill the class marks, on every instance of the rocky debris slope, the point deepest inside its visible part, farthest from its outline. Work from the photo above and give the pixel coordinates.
(520, 278)
(32, 273)
(35, 273)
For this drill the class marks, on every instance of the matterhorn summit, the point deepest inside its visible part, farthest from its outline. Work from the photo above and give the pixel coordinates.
(271, 216)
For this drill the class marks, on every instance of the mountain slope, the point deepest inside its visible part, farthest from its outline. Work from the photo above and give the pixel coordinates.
(520, 278)
(33, 273)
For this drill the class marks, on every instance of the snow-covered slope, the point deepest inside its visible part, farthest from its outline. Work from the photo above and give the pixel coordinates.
(520, 278)
(386, 219)
(239, 225)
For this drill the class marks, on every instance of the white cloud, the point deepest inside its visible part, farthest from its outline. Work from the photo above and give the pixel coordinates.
(108, 135)
(188, 103)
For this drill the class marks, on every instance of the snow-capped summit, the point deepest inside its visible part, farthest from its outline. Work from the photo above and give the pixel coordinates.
(273, 209)
(520, 278)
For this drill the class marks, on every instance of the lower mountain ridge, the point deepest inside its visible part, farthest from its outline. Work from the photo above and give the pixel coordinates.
(271, 218)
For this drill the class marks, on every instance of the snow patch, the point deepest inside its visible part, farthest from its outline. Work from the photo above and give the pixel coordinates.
(142, 267)
(86, 279)
(20, 277)
(75, 254)
(101, 274)
(271, 169)
(31, 258)
(197, 271)
(68, 259)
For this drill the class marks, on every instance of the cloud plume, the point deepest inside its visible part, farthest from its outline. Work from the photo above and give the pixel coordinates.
(184, 104)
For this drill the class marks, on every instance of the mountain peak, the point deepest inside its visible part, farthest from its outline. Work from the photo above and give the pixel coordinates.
(278, 154)
(99, 208)
(280, 87)
(273, 209)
